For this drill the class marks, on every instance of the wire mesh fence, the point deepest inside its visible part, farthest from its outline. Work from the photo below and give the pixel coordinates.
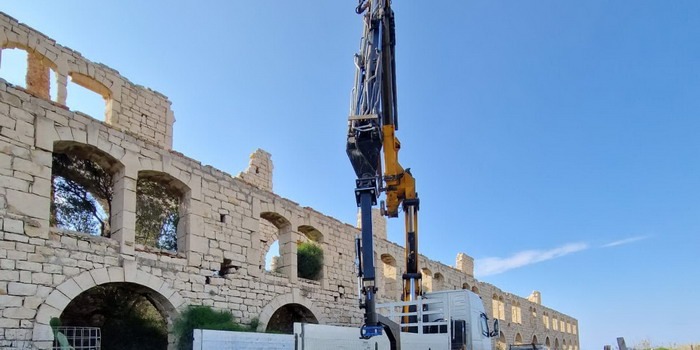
(77, 338)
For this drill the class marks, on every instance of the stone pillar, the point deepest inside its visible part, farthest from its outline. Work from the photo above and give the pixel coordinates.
(259, 172)
(288, 249)
(378, 223)
(465, 263)
(61, 88)
(535, 297)
(37, 76)
(123, 216)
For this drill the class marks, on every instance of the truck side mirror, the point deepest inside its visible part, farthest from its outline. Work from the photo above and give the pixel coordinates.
(496, 329)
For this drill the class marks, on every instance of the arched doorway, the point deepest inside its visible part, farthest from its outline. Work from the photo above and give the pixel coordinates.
(282, 320)
(129, 316)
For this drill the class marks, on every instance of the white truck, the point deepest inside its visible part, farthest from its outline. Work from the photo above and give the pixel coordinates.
(444, 320)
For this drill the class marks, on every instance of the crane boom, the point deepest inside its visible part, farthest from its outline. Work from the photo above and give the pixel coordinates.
(371, 137)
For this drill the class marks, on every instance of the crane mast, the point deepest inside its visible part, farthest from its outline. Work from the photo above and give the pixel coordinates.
(371, 143)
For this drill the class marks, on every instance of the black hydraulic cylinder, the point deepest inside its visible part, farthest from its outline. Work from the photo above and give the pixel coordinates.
(366, 198)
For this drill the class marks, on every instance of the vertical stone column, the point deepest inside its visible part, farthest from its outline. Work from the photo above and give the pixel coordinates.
(288, 249)
(123, 218)
(465, 264)
(37, 76)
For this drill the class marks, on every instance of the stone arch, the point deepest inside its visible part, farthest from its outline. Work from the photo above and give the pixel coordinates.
(438, 281)
(311, 233)
(465, 285)
(547, 343)
(556, 344)
(167, 300)
(276, 228)
(175, 187)
(518, 339)
(475, 289)
(534, 339)
(107, 162)
(294, 298)
(37, 78)
(427, 279)
(391, 283)
(501, 342)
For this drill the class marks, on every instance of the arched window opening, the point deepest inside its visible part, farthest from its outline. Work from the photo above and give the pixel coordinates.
(475, 289)
(13, 66)
(310, 253)
(427, 279)
(88, 96)
(515, 312)
(518, 339)
(282, 320)
(159, 203)
(534, 340)
(556, 343)
(82, 188)
(438, 282)
(465, 285)
(501, 308)
(501, 342)
(28, 69)
(129, 316)
(389, 273)
(547, 342)
(275, 240)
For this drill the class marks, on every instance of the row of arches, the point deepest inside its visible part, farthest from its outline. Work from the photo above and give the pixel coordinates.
(517, 339)
(90, 192)
(23, 66)
(288, 251)
(137, 310)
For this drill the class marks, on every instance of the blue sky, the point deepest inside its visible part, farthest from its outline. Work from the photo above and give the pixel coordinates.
(554, 141)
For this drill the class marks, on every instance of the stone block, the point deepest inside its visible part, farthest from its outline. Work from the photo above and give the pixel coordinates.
(15, 288)
(70, 288)
(10, 300)
(28, 204)
(47, 312)
(58, 300)
(42, 332)
(18, 313)
(100, 276)
(12, 225)
(85, 281)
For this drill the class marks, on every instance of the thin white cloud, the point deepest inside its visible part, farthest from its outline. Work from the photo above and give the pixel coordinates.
(624, 241)
(496, 265)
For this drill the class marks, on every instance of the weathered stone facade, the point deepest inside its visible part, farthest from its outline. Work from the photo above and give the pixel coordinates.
(225, 220)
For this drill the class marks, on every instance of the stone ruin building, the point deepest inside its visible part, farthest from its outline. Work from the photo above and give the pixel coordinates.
(226, 223)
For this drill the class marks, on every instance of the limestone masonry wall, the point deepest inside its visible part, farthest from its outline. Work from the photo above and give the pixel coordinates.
(225, 221)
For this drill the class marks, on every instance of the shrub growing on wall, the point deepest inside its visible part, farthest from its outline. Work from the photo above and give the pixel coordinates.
(309, 260)
(204, 317)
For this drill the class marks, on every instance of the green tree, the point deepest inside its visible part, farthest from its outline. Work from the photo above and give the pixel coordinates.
(82, 195)
(156, 214)
(309, 260)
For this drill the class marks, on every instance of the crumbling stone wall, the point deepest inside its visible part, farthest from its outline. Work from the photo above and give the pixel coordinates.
(223, 219)
(129, 107)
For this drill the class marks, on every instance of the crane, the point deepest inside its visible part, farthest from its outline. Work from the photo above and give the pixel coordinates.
(371, 144)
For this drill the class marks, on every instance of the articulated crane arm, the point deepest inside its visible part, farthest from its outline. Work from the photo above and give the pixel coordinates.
(372, 124)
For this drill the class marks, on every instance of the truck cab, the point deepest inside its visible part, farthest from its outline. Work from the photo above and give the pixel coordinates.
(455, 318)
